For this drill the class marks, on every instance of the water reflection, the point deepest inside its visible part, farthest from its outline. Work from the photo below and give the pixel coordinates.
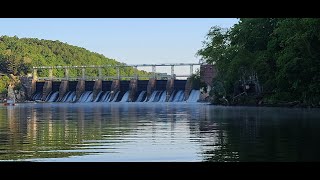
(264, 134)
(157, 132)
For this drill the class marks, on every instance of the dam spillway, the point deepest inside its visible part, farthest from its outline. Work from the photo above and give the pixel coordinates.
(171, 90)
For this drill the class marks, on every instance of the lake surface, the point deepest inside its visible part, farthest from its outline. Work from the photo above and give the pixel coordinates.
(157, 132)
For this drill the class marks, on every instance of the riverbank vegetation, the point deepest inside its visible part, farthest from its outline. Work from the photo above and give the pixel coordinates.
(4, 82)
(282, 54)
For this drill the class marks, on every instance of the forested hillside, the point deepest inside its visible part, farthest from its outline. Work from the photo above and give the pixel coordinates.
(18, 55)
(284, 53)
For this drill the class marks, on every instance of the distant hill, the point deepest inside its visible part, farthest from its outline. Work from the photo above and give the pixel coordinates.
(18, 55)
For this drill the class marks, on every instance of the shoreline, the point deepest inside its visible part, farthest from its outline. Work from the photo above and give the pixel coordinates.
(211, 104)
(294, 104)
(303, 106)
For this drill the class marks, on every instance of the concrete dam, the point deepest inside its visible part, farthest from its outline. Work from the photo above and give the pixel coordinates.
(152, 90)
(153, 87)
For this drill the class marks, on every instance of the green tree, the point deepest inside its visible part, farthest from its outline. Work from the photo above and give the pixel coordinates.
(4, 82)
(283, 52)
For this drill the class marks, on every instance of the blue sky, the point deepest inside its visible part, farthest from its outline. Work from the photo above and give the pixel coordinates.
(128, 40)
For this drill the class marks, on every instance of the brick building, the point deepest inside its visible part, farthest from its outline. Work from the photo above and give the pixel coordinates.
(207, 73)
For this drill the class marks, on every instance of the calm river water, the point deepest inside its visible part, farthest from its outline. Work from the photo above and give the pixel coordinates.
(157, 132)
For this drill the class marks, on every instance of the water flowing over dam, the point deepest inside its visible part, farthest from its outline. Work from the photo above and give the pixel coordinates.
(116, 91)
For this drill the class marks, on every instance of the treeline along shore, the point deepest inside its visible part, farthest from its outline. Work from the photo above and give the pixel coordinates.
(265, 61)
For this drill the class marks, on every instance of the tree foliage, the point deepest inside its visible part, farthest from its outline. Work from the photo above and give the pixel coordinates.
(283, 52)
(17, 56)
(4, 82)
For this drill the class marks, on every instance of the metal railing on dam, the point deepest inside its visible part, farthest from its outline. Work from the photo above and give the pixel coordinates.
(100, 75)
